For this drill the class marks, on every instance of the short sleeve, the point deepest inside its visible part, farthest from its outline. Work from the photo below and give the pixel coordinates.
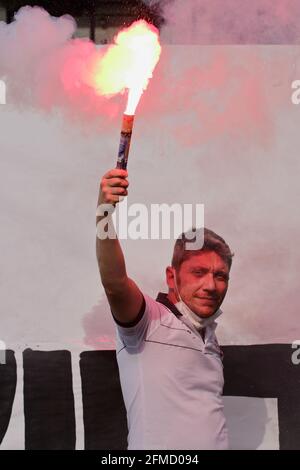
(131, 335)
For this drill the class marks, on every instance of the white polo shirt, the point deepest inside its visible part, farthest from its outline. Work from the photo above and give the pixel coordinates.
(172, 381)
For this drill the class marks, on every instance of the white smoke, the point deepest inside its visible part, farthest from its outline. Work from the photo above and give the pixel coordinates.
(231, 22)
(215, 126)
(45, 68)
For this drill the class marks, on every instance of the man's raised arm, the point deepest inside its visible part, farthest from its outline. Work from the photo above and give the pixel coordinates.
(124, 296)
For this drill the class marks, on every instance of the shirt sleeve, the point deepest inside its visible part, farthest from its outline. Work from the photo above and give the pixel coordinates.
(132, 334)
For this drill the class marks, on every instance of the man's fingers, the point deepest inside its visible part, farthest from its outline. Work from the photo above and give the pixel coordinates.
(122, 191)
(116, 182)
(113, 186)
(115, 198)
(116, 172)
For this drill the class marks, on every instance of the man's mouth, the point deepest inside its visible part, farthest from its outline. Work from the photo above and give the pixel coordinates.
(209, 299)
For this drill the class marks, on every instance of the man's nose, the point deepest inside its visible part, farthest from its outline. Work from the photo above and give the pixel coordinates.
(209, 283)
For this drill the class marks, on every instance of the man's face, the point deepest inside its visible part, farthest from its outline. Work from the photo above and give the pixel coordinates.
(203, 282)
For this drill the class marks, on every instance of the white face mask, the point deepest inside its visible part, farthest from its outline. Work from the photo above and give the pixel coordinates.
(198, 322)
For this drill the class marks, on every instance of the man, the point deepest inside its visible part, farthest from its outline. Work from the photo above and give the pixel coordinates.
(168, 356)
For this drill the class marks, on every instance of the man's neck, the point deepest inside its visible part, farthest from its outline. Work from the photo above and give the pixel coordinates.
(172, 297)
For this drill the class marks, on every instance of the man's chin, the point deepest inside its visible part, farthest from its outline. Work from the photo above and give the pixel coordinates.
(206, 315)
(205, 312)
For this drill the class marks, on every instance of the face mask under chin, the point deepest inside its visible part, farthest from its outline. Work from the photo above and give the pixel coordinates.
(198, 322)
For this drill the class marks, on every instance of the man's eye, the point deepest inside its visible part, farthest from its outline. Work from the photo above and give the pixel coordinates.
(222, 277)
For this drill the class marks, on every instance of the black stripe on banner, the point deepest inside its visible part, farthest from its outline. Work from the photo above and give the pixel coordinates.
(8, 383)
(267, 371)
(48, 400)
(104, 412)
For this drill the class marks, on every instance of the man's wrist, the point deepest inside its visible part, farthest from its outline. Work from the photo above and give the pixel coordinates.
(105, 209)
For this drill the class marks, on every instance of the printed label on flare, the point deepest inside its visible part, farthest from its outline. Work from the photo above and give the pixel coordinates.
(124, 149)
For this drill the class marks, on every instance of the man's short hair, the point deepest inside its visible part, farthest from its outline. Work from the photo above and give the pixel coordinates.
(211, 242)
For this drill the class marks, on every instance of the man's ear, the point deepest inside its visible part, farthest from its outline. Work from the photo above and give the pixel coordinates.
(170, 277)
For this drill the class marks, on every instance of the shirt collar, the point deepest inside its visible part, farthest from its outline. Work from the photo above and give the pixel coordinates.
(163, 299)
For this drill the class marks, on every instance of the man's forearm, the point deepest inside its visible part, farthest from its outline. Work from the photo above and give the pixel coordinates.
(109, 252)
(110, 258)
(124, 296)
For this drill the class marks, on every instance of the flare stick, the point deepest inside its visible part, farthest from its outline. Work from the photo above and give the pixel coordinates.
(125, 138)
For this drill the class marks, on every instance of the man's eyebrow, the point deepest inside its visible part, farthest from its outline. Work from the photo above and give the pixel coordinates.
(199, 267)
(203, 268)
(220, 271)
